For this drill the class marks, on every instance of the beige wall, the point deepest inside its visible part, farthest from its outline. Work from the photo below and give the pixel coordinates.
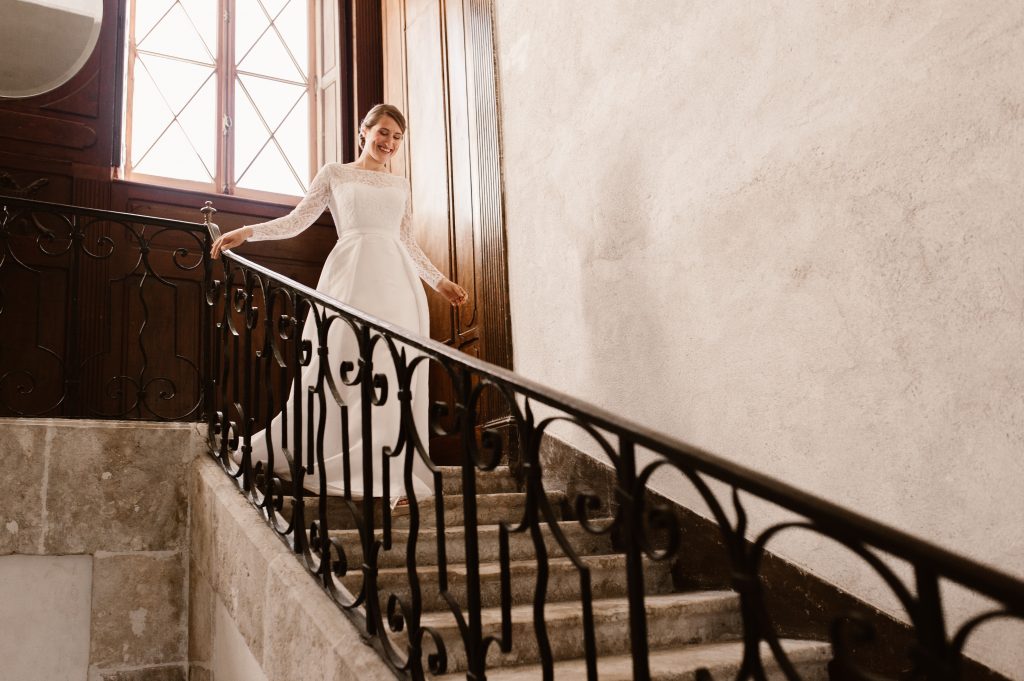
(790, 233)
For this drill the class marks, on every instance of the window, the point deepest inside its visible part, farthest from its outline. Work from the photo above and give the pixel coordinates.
(219, 94)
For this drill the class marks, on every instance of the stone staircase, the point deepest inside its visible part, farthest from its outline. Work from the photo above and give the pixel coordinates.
(687, 631)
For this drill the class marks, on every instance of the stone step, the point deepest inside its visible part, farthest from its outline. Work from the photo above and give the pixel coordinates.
(491, 509)
(607, 579)
(498, 481)
(672, 620)
(520, 544)
(679, 664)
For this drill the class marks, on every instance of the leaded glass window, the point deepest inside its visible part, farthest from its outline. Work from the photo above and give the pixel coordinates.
(219, 94)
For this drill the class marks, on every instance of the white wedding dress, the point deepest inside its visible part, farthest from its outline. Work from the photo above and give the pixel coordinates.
(375, 267)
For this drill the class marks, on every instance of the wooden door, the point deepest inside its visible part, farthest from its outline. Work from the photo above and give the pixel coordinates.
(439, 69)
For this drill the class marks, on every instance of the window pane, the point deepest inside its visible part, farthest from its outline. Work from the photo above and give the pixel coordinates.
(250, 23)
(270, 58)
(203, 14)
(272, 86)
(178, 81)
(175, 36)
(250, 133)
(293, 136)
(177, 92)
(270, 173)
(150, 115)
(147, 13)
(199, 120)
(272, 98)
(173, 156)
(273, 7)
(293, 23)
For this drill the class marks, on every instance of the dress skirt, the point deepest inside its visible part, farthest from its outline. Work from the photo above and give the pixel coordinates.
(372, 272)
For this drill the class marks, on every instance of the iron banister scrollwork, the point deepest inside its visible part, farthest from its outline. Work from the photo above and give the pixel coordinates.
(256, 355)
(77, 271)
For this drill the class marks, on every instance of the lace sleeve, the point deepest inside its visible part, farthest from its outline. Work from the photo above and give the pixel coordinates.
(424, 267)
(302, 216)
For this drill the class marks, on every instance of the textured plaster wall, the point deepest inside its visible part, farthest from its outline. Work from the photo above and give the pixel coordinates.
(103, 507)
(790, 233)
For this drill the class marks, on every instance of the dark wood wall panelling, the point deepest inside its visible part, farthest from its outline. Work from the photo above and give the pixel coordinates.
(63, 146)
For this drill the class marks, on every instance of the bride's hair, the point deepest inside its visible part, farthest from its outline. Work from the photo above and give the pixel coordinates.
(378, 112)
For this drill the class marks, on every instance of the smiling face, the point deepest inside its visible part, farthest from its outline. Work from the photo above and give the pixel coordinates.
(383, 139)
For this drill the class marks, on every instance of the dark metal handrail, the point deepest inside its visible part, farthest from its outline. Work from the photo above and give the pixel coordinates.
(248, 295)
(73, 365)
(103, 214)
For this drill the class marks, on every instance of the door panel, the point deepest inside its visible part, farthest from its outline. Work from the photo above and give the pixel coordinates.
(430, 71)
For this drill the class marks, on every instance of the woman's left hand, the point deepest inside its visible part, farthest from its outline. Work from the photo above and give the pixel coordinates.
(455, 294)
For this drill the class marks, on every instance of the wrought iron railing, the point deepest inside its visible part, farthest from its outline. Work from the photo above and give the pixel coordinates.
(101, 313)
(258, 317)
(248, 349)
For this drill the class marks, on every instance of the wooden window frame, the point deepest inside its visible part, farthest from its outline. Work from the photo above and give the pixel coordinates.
(225, 73)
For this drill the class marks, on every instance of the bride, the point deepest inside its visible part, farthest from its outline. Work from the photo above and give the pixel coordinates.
(375, 266)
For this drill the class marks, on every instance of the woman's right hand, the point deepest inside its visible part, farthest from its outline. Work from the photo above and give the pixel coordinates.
(455, 294)
(230, 240)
